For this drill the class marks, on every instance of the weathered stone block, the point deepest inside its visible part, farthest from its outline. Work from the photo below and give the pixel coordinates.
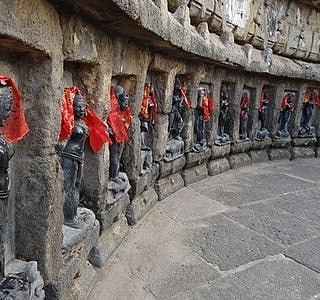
(140, 205)
(240, 146)
(83, 283)
(111, 213)
(218, 166)
(197, 158)
(239, 160)
(143, 182)
(220, 151)
(111, 239)
(167, 186)
(194, 174)
(171, 167)
(259, 156)
(304, 141)
(76, 247)
(281, 143)
(278, 153)
(261, 144)
(301, 152)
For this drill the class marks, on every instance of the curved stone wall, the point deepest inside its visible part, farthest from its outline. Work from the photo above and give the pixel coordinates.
(230, 45)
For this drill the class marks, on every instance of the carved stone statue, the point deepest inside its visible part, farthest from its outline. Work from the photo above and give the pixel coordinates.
(244, 116)
(287, 107)
(78, 121)
(175, 143)
(203, 113)
(305, 129)
(119, 121)
(6, 153)
(148, 116)
(28, 283)
(223, 137)
(263, 132)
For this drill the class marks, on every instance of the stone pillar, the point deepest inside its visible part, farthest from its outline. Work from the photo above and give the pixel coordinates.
(37, 178)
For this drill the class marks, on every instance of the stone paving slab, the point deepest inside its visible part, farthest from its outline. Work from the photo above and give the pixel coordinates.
(190, 207)
(278, 225)
(229, 245)
(234, 195)
(249, 233)
(304, 204)
(307, 169)
(307, 253)
(278, 278)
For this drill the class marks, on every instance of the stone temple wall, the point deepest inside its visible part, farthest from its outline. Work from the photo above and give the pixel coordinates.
(238, 45)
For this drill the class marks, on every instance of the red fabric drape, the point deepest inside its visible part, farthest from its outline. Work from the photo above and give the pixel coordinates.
(262, 97)
(148, 96)
(97, 128)
(15, 127)
(184, 94)
(285, 102)
(207, 107)
(315, 97)
(118, 120)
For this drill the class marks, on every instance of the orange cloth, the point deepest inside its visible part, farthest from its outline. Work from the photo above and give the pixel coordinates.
(118, 120)
(262, 97)
(144, 110)
(207, 107)
(244, 103)
(97, 128)
(285, 104)
(310, 93)
(184, 94)
(15, 127)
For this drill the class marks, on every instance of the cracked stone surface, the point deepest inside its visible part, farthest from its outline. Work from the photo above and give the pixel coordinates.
(249, 233)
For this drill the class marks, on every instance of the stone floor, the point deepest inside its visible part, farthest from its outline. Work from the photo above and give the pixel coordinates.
(249, 233)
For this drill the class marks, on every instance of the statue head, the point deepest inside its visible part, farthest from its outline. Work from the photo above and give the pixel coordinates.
(201, 92)
(6, 100)
(79, 106)
(123, 98)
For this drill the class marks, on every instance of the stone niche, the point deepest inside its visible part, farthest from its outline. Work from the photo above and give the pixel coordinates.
(142, 193)
(34, 172)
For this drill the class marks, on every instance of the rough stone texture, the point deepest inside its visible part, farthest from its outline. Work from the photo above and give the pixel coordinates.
(276, 225)
(194, 174)
(278, 153)
(238, 160)
(140, 205)
(168, 168)
(259, 156)
(111, 238)
(220, 151)
(46, 45)
(197, 158)
(276, 278)
(240, 146)
(203, 251)
(112, 212)
(306, 254)
(218, 166)
(143, 182)
(34, 290)
(257, 145)
(168, 185)
(73, 259)
(83, 283)
(300, 152)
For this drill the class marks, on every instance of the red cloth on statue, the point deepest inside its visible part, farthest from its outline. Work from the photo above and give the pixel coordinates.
(15, 127)
(118, 120)
(144, 111)
(285, 104)
(207, 107)
(98, 135)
